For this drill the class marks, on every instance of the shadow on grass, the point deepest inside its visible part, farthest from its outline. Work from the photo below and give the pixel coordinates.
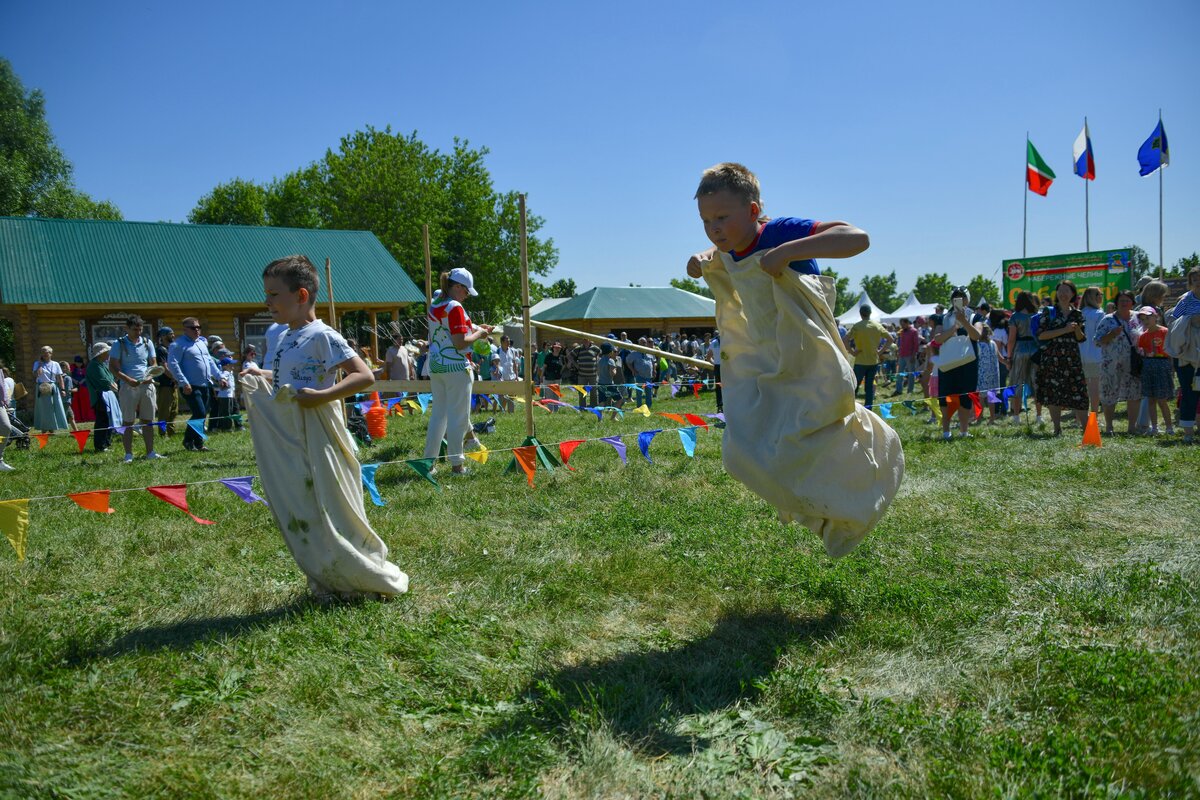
(186, 633)
(640, 697)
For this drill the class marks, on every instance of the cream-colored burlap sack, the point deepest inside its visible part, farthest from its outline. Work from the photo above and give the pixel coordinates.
(313, 482)
(794, 434)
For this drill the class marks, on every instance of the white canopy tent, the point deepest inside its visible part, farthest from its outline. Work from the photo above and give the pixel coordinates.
(852, 316)
(910, 309)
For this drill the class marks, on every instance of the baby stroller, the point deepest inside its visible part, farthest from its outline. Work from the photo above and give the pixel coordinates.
(20, 437)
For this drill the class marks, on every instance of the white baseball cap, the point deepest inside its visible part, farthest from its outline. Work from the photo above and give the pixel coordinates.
(460, 275)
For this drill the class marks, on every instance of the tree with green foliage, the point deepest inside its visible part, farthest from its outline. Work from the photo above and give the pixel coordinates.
(692, 285)
(1139, 264)
(1186, 264)
(982, 288)
(882, 291)
(391, 184)
(845, 295)
(35, 177)
(934, 287)
(563, 287)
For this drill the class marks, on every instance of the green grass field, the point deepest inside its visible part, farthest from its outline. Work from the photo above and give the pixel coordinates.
(1024, 622)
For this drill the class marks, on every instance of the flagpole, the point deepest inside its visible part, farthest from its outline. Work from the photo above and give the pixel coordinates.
(1087, 222)
(1161, 266)
(1025, 195)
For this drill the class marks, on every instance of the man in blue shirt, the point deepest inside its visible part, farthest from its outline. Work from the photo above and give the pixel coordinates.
(196, 372)
(130, 361)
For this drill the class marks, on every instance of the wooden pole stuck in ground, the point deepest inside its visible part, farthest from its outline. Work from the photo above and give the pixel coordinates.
(428, 267)
(530, 358)
(329, 285)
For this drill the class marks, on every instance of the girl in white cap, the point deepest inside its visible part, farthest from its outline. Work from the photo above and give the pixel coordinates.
(451, 334)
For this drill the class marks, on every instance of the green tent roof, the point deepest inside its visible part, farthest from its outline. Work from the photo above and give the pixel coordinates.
(633, 302)
(85, 262)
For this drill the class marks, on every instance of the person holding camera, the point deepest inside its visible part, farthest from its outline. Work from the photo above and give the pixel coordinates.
(1060, 380)
(962, 379)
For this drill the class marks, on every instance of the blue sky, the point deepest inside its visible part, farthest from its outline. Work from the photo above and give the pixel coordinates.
(908, 120)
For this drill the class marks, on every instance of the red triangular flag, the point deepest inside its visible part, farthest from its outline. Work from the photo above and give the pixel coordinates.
(565, 449)
(176, 495)
(81, 437)
(42, 440)
(696, 389)
(975, 404)
(699, 422)
(526, 457)
(93, 501)
(675, 417)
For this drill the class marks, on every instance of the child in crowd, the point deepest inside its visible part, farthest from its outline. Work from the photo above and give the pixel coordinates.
(225, 407)
(307, 459)
(1157, 384)
(793, 434)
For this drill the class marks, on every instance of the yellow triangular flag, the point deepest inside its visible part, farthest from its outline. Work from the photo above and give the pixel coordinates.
(579, 389)
(480, 455)
(518, 399)
(14, 521)
(934, 407)
(645, 412)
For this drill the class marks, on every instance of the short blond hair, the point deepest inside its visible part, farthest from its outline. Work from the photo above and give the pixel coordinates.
(1093, 297)
(729, 176)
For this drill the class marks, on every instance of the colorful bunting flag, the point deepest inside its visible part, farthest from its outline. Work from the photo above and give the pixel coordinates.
(618, 445)
(527, 458)
(424, 398)
(696, 389)
(643, 410)
(81, 438)
(479, 456)
(162, 426)
(197, 425)
(953, 403)
(368, 478)
(599, 412)
(14, 521)
(120, 429)
(696, 420)
(644, 439)
(93, 501)
(911, 406)
(975, 404)
(557, 391)
(885, 411)
(424, 468)
(991, 397)
(719, 415)
(673, 417)
(364, 406)
(243, 488)
(582, 391)
(934, 408)
(688, 437)
(566, 449)
(42, 440)
(176, 495)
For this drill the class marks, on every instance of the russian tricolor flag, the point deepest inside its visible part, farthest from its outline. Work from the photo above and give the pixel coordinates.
(1085, 163)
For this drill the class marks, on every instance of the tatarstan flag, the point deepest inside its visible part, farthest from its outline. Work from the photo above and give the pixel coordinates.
(1038, 175)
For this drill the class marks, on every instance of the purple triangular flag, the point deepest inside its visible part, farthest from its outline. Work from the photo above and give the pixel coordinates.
(616, 442)
(242, 488)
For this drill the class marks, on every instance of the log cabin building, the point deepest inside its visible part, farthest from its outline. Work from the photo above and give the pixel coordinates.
(70, 283)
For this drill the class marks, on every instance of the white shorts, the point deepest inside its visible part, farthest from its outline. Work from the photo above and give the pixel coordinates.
(137, 402)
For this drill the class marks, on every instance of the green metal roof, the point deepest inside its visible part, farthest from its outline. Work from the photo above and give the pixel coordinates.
(632, 302)
(86, 262)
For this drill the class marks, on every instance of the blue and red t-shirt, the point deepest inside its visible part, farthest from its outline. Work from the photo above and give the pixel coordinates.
(777, 232)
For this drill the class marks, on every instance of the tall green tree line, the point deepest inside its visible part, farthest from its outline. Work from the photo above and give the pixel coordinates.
(391, 184)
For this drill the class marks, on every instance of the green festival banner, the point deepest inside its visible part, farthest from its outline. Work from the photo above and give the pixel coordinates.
(1106, 269)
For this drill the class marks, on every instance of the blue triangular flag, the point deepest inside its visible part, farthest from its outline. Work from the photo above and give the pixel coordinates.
(885, 411)
(198, 426)
(120, 429)
(368, 479)
(162, 426)
(424, 399)
(242, 488)
(644, 439)
(616, 442)
(599, 412)
(364, 406)
(393, 402)
(688, 437)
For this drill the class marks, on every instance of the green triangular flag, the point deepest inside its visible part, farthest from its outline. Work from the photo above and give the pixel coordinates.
(424, 468)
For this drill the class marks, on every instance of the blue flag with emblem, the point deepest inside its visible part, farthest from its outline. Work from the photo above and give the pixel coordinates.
(1153, 154)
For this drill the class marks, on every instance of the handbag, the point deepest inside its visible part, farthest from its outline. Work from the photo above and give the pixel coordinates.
(1135, 358)
(955, 352)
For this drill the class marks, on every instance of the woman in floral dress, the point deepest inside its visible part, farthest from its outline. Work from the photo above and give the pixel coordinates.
(1060, 381)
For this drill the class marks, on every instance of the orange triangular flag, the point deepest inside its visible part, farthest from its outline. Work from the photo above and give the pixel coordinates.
(527, 458)
(699, 422)
(81, 438)
(952, 404)
(93, 501)
(557, 391)
(565, 449)
(1091, 433)
(42, 440)
(676, 417)
(176, 495)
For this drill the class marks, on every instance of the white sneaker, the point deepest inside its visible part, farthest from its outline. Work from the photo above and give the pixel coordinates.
(128, 459)
(6, 467)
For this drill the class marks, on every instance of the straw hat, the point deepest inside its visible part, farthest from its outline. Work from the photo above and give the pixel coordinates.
(99, 349)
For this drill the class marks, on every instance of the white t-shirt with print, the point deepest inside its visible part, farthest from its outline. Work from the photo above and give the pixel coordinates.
(306, 357)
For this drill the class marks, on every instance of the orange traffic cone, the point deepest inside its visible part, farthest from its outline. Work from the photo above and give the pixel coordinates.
(1091, 433)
